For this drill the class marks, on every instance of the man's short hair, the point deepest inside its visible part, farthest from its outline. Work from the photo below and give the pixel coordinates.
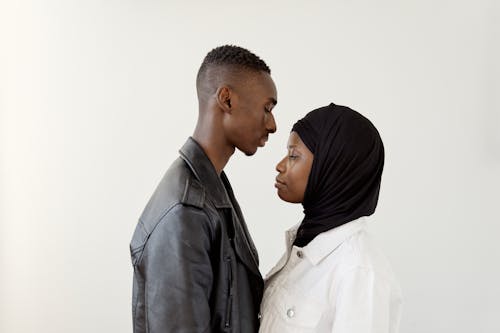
(231, 56)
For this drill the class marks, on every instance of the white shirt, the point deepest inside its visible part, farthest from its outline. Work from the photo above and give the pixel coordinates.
(339, 283)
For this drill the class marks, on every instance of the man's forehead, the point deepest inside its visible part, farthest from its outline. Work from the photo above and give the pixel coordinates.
(266, 83)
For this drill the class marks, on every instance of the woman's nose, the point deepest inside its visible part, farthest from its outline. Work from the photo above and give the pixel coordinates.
(280, 167)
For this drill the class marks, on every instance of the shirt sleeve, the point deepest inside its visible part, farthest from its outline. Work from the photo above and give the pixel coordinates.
(178, 273)
(362, 303)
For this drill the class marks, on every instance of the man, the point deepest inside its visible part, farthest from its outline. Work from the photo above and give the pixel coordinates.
(195, 265)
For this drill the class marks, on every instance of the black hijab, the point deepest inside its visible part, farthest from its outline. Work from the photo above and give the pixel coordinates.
(345, 176)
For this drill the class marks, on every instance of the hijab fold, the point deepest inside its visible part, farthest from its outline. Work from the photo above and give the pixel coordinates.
(344, 181)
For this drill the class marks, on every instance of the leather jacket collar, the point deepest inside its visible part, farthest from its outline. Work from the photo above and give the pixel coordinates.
(202, 167)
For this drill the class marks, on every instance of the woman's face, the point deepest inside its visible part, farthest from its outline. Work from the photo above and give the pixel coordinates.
(294, 170)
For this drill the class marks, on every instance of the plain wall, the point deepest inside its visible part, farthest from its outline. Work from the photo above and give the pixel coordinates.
(96, 97)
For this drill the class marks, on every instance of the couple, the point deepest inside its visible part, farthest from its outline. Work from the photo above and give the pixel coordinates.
(195, 264)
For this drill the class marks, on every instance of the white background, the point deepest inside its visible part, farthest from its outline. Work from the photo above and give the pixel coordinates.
(96, 97)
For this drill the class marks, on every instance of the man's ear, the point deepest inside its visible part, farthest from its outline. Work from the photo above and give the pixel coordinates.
(223, 96)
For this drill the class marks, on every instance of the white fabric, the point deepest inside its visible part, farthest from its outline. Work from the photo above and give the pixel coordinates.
(339, 283)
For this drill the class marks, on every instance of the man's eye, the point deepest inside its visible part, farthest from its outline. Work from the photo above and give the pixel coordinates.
(292, 157)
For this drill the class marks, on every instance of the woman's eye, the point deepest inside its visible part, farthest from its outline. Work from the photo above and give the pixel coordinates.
(292, 157)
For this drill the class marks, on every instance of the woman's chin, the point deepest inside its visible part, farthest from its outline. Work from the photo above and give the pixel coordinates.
(280, 195)
(285, 197)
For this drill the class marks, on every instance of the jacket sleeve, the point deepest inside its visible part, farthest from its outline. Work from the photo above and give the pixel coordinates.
(178, 272)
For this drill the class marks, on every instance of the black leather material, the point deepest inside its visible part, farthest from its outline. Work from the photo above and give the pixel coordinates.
(195, 264)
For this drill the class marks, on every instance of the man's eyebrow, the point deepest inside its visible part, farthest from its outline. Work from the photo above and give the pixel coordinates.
(291, 146)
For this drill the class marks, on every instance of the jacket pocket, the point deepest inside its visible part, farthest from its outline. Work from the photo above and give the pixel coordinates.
(229, 300)
(294, 311)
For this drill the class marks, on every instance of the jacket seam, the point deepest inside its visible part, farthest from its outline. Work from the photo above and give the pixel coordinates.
(148, 234)
(211, 225)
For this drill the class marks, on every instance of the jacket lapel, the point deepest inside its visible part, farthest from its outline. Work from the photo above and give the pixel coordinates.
(223, 198)
(243, 243)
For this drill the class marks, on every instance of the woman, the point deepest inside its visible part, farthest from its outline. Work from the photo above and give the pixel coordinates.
(332, 278)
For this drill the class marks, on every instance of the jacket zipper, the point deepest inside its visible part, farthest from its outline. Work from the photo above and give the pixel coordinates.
(229, 301)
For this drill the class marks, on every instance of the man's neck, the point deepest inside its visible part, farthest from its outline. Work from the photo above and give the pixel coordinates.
(217, 149)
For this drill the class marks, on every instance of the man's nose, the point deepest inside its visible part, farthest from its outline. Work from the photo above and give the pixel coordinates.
(271, 123)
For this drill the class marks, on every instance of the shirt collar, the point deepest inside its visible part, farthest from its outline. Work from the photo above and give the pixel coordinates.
(326, 242)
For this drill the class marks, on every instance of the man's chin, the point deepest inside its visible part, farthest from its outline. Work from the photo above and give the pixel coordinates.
(249, 152)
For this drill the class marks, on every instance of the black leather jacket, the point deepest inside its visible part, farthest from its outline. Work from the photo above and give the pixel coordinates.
(195, 265)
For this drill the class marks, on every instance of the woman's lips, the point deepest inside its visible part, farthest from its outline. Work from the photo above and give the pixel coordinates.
(279, 184)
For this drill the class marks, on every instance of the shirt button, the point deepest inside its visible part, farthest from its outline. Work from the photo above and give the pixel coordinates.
(290, 313)
(300, 254)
